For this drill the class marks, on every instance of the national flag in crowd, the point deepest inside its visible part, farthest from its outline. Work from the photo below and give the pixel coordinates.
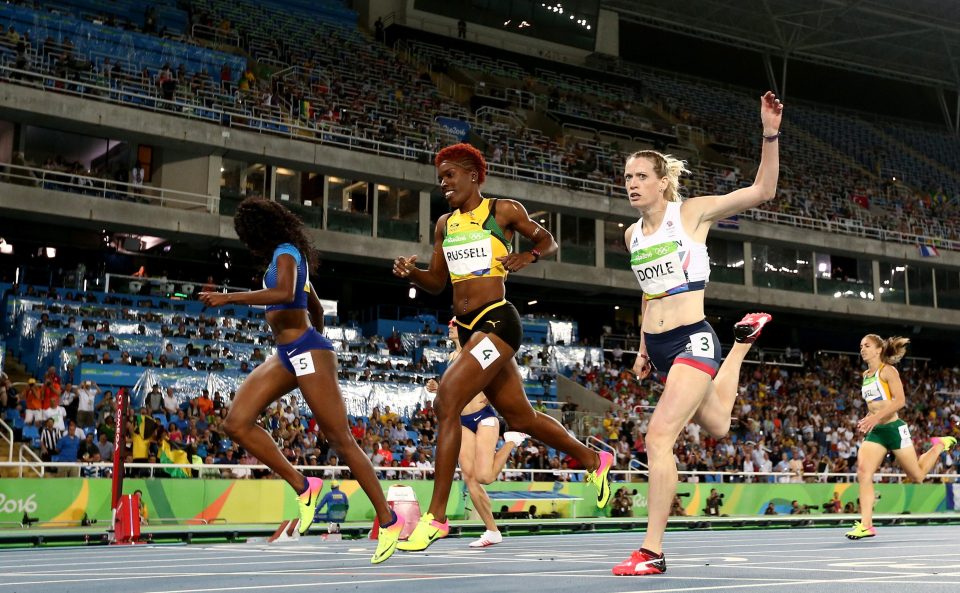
(732, 222)
(929, 251)
(860, 199)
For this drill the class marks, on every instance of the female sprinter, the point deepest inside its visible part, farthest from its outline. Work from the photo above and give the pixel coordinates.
(480, 462)
(883, 392)
(668, 254)
(304, 359)
(472, 245)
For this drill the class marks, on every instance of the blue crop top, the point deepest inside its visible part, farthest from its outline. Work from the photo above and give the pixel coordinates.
(301, 282)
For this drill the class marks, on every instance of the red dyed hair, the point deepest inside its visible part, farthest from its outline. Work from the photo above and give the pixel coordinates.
(466, 156)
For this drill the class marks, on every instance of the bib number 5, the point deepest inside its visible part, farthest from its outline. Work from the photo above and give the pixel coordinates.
(302, 364)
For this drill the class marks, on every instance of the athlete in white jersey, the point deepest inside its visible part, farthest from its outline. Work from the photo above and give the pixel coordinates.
(668, 254)
(884, 430)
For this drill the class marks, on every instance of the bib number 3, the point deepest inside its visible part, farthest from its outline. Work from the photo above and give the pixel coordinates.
(701, 344)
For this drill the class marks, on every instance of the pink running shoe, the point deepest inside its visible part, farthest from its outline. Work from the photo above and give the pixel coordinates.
(748, 329)
(641, 562)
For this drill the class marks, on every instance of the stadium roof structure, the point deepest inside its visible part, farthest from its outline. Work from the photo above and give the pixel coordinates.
(916, 40)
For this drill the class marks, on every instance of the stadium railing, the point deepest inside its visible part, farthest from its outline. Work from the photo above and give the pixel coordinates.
(333, 135)
(523, 474)
(107, 188)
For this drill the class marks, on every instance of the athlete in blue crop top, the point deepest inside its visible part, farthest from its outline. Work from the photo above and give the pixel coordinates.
(304, 359)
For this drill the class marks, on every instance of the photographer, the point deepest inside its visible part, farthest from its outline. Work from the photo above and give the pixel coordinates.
(676, 509)
(713, 503)
(623, 503)
(770, 510)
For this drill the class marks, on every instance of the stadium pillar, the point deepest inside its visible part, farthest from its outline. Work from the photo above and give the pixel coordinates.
(748, 264)
(426, 234)
(600, 233)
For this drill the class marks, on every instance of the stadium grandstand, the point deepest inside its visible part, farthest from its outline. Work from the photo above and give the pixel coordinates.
(131, 132)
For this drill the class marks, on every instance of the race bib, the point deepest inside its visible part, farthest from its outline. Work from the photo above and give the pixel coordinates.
(485, 352)
(658, 268)
(871, 390)
(905, 440)
(701, 344)
(469, 253)
(302, 364)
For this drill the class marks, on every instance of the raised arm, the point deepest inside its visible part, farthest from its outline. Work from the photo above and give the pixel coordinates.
(434, 278)
(517, 219)
(707, 209)
(282, 293)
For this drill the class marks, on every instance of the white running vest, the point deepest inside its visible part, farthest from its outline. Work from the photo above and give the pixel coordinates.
(669, 261)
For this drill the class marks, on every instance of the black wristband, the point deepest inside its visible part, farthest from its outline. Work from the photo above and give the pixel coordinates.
(772, 138)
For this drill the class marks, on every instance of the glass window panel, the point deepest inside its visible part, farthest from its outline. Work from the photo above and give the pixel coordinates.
(778, 267)
(948, 289)
(350, 206)
(288, 186)
(615, 255)
(398, 213)
(726, 261)
(920, 283)
(238, 180)
(578, 240)
(844, 277)
(893, 283)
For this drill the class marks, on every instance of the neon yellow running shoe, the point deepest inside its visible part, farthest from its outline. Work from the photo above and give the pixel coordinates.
(387, 540)
(947, 442)
(860, 532)
(427, 531)
(600, 478)
(308, 503)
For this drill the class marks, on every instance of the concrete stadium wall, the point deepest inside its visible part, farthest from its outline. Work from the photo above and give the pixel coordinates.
(190, 153)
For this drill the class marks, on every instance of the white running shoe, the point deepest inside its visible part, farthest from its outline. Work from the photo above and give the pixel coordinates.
(488, 538)
(515, 437)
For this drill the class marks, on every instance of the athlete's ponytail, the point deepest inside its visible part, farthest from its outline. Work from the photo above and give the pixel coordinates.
(892, 349)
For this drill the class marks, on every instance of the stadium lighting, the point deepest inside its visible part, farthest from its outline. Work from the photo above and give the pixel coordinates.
(619, 225)
(50, 252)
(616, 307)
(6, 248)
(533, 302)
(412, 293)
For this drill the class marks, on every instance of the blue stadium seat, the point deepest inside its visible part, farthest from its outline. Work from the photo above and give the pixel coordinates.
(31, 432)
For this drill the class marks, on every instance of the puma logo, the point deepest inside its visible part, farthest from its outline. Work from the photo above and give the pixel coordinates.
(493, 323)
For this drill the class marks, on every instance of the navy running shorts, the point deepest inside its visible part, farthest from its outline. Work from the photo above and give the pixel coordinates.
(695, 345)
(472, 421)
(296, 355)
